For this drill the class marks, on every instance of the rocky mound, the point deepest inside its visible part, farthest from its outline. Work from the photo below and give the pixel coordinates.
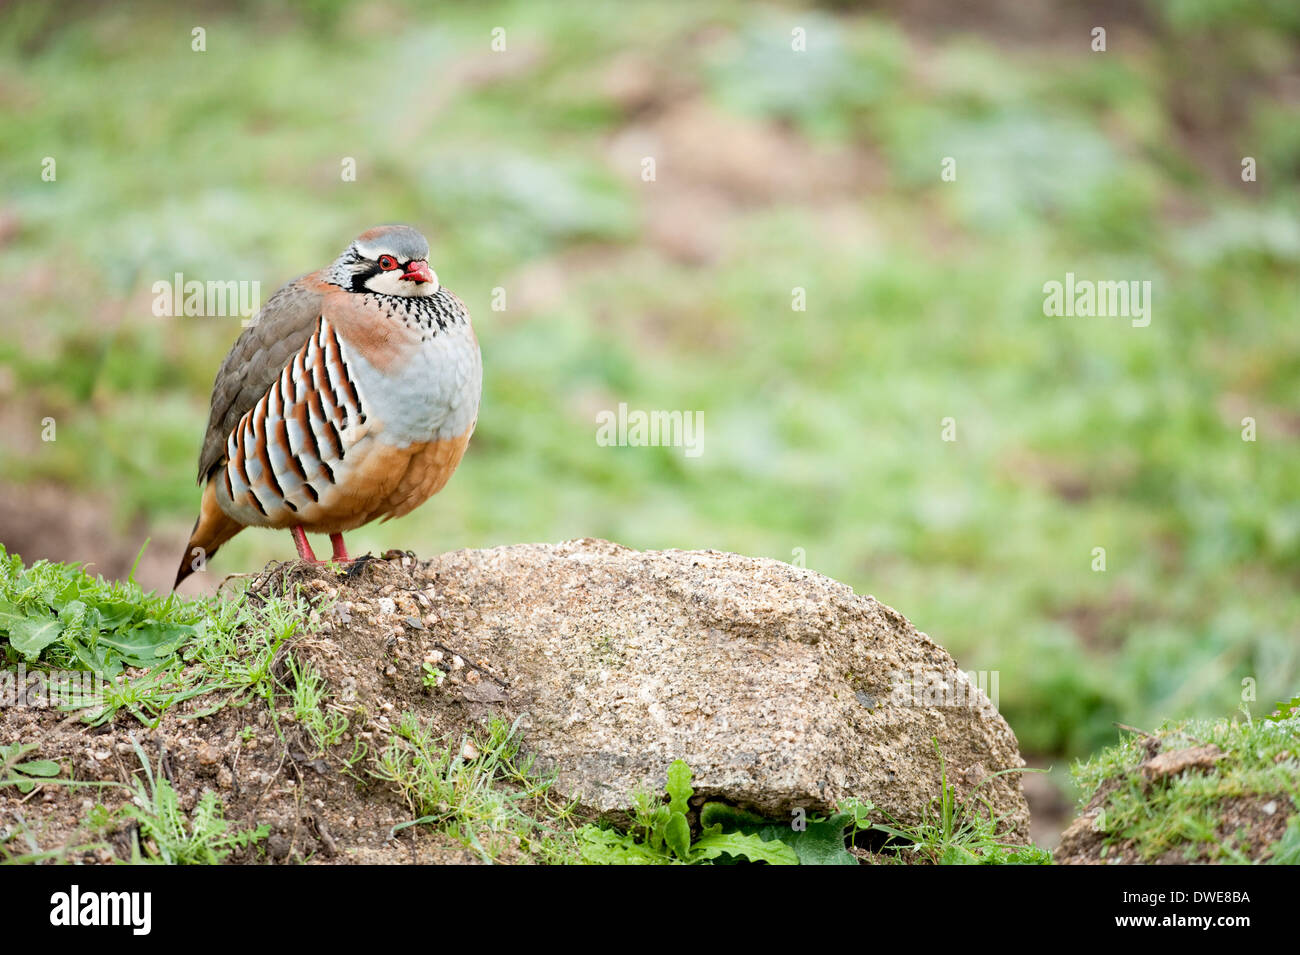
(780, 687)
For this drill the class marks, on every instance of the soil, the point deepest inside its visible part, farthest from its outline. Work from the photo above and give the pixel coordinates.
(317, 811)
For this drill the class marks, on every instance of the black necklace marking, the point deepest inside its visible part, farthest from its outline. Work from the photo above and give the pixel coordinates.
(432, 313)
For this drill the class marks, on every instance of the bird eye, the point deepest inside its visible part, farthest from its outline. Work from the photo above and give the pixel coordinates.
(387, 263)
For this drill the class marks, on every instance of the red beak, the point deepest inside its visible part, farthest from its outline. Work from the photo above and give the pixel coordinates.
(418, 271)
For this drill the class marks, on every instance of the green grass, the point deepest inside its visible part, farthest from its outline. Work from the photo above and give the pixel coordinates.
(57, 614)
(1183, 816)
(149, 653)
(169, 835)
(478, 791)
(821, 428)
(958, 832)
(324, 725)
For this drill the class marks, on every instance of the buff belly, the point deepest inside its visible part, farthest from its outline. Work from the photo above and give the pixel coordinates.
(375, 481)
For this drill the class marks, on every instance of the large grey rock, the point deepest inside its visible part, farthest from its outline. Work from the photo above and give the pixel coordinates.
(780, 687)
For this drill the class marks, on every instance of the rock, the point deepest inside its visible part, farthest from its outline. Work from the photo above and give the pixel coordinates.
(780, 687)
(209, 755)
(277, 847)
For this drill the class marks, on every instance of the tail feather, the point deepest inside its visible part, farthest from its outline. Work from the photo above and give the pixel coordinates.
(212, 529)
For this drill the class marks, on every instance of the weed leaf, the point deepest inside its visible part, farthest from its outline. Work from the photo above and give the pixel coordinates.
(751, 847)
(677, 834)
(679, 787)
(29, 636)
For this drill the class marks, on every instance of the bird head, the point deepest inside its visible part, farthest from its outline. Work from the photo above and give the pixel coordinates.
(388, 260)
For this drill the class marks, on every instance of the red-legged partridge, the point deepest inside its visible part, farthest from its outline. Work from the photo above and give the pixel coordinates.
(351, 397)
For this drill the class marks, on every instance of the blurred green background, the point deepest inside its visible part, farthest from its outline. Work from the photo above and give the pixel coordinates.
(775, 170)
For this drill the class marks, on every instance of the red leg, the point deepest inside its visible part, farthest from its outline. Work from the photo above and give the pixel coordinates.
(340, 551)
(304, 549)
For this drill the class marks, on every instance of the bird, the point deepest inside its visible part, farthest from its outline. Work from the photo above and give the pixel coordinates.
(349, 398)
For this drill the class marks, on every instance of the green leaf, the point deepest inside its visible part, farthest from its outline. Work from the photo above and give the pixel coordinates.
(606, 847)
(60, 596)
(679, 787)
(1284, 710)
(149, 642)
(750, 847)
(14, 773)
(39, 767)
(1027, 855)
(71, 610)
(30, 636)
(8, 613)
(821, 842)
(859, 812)
(677, 833)
(11, 754)
(114, 614)
(658, 824)
(97, 659)
(958, 855)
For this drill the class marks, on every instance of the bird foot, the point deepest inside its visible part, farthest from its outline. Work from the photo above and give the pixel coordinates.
(305, 553)
(304, 548)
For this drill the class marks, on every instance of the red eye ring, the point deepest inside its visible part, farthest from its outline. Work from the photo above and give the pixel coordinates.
(387, 263)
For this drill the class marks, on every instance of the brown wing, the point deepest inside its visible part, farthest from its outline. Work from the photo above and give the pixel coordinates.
(258, 356)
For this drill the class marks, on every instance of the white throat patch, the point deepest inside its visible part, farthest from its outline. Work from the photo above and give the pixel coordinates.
(392, 283)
